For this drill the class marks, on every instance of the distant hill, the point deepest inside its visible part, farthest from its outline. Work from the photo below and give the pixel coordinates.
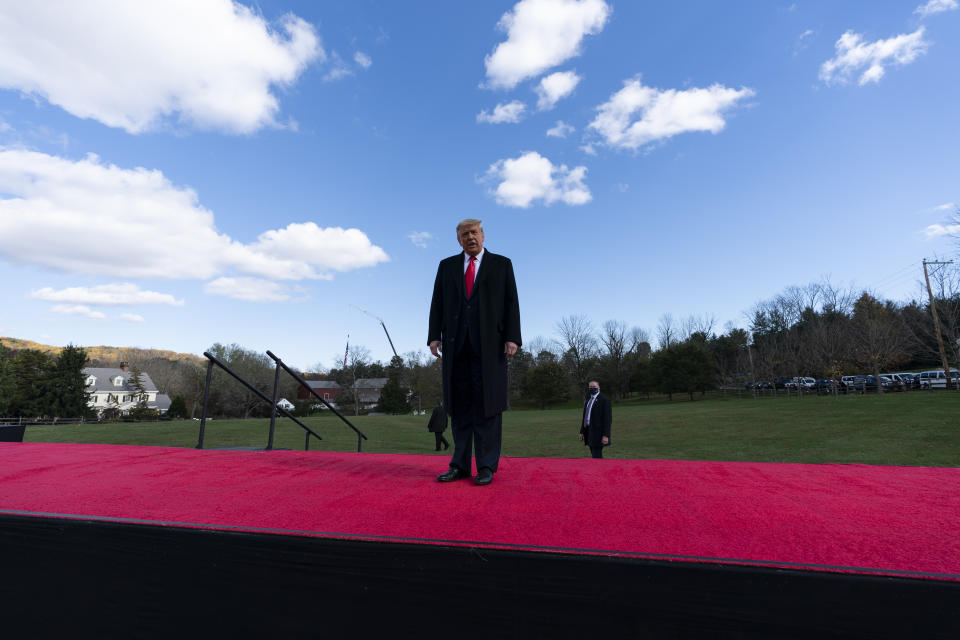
(106, 354)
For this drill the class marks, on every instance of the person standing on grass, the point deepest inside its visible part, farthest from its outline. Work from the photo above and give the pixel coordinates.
(597, 418)
(475, 325)
(437, 425)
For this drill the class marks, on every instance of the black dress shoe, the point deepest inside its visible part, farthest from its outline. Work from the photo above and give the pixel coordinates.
(453, 473)
(484, 476)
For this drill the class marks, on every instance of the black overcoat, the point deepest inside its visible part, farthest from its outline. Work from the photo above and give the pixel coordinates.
(495, 293)
(601, 417)
(438, 420)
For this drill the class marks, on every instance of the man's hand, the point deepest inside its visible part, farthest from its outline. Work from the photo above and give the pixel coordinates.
(581, 437)
(510, 348)
(605, 440)
(435, 348)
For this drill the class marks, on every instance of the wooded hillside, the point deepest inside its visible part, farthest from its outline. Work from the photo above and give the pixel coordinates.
(107, 356)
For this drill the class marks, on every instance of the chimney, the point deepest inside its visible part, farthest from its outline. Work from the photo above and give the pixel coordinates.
(125, 366)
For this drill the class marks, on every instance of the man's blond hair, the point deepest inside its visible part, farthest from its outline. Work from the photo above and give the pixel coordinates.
(469, 222)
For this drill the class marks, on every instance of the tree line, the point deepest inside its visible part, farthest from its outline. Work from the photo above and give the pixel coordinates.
(815, 330)
(36, 384)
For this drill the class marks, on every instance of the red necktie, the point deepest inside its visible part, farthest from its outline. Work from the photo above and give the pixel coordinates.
(468, 277)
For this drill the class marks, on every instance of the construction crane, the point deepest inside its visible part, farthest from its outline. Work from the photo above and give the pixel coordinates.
(380, 320)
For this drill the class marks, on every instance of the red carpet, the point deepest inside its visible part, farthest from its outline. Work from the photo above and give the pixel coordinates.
(900, 521)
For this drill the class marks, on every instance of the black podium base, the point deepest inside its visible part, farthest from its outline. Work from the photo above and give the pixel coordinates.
(96, 579)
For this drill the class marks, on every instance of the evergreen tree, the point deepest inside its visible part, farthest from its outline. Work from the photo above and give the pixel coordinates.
(140, 396)
(393, 398)
(32, 372)
(546, 383)
(8, 382)
(68, 388)
(178, 408)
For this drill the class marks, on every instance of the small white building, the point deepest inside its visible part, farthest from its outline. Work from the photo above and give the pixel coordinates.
(111, 389)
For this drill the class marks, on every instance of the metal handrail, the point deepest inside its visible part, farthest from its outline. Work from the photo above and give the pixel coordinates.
(303, 383)
(212, 360)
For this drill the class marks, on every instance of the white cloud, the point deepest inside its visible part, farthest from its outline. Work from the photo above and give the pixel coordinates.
(77, 310)
(135, 65)
(532, 177)
(419, 238)
(935, 6)
(132, 317)
(106, 295)
(98, 219)
(542, 34)
(338, 68)
(248, 289)
(802, 41)
(662, 114)
(362, 59)
(937, 230)
(555, 87)
(511, 112)
(560, 130)
(946, 206)
(854, 55)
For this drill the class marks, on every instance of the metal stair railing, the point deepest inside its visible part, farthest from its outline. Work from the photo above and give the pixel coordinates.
(303, 383)
(211, 361)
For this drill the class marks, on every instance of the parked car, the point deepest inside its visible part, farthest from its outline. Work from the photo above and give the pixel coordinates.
(911, 379)
(827, 386)
(781, 383)
(892, 382)
(863, 383)
(937, 379)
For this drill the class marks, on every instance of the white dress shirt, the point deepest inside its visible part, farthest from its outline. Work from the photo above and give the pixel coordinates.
(476, 268)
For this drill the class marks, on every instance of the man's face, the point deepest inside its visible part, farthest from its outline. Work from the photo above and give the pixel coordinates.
(594, 388)
(471, 239)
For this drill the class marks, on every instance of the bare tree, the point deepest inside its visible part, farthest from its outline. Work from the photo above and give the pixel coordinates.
(540, 345)
(356, 361)
(880, 337)
(579, 344)
(702, 324)
(614, 338)
(666, 332)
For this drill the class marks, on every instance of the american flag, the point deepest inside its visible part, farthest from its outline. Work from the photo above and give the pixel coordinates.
(347, 352)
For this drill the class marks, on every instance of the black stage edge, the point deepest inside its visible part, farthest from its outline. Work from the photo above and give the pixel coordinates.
(94, 579)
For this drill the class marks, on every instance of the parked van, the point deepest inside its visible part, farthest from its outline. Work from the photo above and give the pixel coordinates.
(937, 379)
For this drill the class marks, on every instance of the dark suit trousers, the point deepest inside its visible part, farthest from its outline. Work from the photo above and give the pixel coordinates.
(469, 426)
(596, 452)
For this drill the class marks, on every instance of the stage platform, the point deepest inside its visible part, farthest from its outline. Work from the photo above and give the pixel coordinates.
(553, 545)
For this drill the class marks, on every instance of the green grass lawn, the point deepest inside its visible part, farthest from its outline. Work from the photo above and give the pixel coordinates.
(914, 429)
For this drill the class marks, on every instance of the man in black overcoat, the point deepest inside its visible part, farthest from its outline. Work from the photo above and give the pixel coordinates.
(596, 421)
(475, 325)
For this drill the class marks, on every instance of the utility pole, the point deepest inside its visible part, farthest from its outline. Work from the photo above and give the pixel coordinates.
(936, 323)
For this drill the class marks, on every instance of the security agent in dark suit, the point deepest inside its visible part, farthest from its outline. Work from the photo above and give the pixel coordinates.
(475, 324)
(597, 418)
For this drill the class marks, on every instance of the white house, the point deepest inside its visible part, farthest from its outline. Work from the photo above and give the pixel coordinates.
(111, 389)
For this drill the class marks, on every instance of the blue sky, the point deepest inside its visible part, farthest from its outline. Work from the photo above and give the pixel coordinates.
(175, 174)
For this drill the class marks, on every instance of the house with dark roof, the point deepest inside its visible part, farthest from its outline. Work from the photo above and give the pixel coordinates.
(326, 389)
(368, 390)
(111, 389)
